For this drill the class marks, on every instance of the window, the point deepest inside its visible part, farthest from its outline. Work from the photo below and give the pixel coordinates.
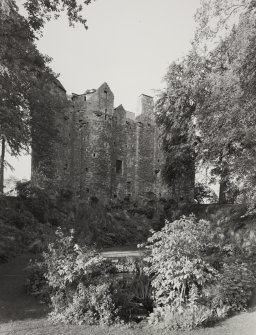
(129, 186)
(106, 94)
(119, 166)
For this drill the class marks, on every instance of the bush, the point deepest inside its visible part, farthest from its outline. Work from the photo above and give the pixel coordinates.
(189, 318)
(36, 199)
(108, 228)
(36, 283)
(11, 242)
(198, 276)
(82, 287)
(204, 194)
(77, 278)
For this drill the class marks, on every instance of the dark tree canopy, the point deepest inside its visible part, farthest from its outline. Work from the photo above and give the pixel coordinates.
(175, 112)
(40, 11)
(213, 88)
(25, 74)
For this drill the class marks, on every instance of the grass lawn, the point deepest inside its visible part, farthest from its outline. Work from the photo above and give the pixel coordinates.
(24, 315)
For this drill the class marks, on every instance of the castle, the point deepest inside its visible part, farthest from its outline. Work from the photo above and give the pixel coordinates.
(107, 152)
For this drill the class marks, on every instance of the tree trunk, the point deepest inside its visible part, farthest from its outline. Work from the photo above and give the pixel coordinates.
(224, 181)
(222, 192)
(2, 165)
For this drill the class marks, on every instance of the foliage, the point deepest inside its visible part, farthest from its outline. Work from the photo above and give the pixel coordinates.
(142, 291)
(204, 193)
(40, 11)
(212, 88)
(216, 18)
(11, 241)
(110, 227)
(36, 284)
(24, 80)
(237, 284)
(196, 272)
(19, 63)
(75, 277)
(82, 287)
(190, 318)
(20, 231)
(175, 109)
(225, 117)
(178, 260)
(28, 99)
(35, 198)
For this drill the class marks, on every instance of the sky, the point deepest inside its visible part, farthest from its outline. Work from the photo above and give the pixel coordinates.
(129, 45)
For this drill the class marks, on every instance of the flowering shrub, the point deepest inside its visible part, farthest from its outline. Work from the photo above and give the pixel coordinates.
(82, 287)
(197, 275)
(77, 278)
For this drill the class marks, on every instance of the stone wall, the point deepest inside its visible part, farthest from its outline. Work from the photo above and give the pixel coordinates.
(50, 134)
(108, 153)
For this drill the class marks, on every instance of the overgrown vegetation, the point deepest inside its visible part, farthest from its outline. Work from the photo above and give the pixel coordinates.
(28, 221)
(204, 194)
(195, 273)
(206, 113)
(83, 287)
(28, 85)
(199, 274)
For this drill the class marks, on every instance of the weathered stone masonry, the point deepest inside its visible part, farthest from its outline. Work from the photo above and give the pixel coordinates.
(109, 153)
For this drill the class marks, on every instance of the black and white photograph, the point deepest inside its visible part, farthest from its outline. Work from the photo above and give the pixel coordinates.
(128, 167)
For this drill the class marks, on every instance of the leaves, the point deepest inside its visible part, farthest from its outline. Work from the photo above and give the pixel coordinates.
(207, 109)
(175, 111)
(40, 11)
(197, 274)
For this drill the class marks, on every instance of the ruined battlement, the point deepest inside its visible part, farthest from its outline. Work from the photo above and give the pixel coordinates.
(108, 152)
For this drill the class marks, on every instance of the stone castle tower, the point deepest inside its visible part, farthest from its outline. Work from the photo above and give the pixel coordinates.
(108, 152)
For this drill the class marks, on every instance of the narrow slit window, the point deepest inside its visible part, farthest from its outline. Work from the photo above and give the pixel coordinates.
(129, 186)
(119, 164)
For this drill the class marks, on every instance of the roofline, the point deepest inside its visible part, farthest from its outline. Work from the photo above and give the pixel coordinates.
(59, 84)
(149, 96)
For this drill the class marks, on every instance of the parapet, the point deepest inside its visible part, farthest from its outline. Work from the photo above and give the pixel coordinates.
(145, 105)
(130, 115)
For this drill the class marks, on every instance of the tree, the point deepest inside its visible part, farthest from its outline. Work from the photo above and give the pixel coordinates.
(20, 64)
(226, 117)
(175, 112)
(213, 88)
(24, 72)
(216, 18)
(204, 193)
(40, 11)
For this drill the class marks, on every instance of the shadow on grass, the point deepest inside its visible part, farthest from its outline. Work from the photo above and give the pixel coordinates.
(15, 304)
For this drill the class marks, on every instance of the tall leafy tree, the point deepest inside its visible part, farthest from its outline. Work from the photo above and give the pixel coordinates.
(226, 117)
(175, 112)
(215, 85)
(25, 73)
(40, 11)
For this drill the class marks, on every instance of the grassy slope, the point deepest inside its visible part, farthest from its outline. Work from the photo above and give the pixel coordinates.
(23, 315)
